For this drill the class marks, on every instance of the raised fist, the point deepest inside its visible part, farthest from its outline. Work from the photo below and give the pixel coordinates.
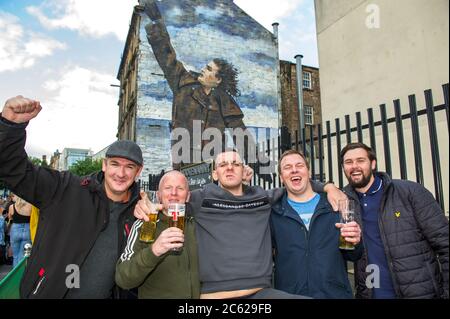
(20, 109)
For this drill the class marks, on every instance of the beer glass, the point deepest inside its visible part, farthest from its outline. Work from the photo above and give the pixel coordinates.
(347, 215)
(176, 213)
(148, 229)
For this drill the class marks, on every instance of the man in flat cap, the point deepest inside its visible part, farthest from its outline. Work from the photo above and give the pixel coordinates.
(84, 221)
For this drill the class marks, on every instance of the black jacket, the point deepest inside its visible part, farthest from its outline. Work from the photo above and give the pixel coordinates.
(73, 211)
(415, 236)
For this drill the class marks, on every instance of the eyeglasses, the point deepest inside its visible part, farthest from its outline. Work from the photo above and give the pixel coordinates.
(234, 164)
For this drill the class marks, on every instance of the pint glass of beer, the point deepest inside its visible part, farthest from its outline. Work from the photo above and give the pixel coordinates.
(347, 214)
(176, 212)
(148, 229)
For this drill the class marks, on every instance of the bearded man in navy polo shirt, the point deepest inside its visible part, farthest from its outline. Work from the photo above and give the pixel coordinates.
(405, 232)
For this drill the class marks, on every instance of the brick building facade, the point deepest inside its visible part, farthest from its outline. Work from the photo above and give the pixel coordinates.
(289, 97)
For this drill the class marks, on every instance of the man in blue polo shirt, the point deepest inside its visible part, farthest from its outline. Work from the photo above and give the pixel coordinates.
(305, 237)
(405, 232)
(370, 202)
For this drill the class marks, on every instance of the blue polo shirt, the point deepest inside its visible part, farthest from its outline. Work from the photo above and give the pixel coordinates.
(370, 210)
(305, 209)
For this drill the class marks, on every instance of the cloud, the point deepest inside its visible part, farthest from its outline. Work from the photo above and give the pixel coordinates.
(297, 31)
(81, 112)
(20, 49)
(298, 36)
(96, 18)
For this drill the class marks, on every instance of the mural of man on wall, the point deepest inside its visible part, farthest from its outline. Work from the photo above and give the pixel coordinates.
(205, 99)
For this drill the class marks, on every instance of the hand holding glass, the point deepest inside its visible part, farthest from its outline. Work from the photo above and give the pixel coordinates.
(148, 229)
(347, 214)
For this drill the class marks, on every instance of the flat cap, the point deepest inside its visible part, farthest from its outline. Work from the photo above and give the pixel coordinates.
(126, 149)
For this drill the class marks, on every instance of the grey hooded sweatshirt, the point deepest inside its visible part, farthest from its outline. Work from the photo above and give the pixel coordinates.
(233, 236)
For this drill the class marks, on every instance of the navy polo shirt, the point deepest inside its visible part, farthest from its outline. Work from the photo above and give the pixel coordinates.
(370, 210)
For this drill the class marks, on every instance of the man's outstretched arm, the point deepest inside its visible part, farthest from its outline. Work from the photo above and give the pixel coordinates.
(151, 10)
(159, 40)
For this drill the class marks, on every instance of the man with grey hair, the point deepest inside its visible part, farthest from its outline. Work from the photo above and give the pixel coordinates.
(154, 268)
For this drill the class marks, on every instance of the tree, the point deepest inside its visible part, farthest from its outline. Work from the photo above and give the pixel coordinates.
(44, 163)
(38, 161)
(86, 167)
(35, 160)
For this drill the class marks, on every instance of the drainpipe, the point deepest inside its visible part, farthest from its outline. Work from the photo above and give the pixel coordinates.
(275, 38)
(301, 116)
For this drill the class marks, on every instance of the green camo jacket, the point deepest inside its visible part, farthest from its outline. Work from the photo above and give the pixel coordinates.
(168, 276)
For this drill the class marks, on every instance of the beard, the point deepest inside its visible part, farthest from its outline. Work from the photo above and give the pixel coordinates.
(363, 182)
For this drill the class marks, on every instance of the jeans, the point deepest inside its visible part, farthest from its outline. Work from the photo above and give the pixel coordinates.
(2, 230)
(19, 236)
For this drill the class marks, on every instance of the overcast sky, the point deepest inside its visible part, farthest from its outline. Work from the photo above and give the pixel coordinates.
(66, 53)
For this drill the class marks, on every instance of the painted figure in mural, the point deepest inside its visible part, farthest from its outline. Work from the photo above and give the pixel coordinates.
(201, 101)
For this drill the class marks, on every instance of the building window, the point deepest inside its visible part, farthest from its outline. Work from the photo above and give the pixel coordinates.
(307, 82)
(309, 115)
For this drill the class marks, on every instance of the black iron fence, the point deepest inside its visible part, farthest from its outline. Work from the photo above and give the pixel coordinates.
(152, 182)
(403, 159)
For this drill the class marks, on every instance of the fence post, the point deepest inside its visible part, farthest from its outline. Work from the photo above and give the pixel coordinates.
(348, 129)
(268, 156)
(311, 151)
(359, 127)
(286, 143)
(304, 141)
(266, 150)
(373, 143)
(400, 140)
(338, 146)
(320, 140)
(434, 148)
(278, 161)
(445, 90)
(274, 161)
(330, 159)
(416, 139)
(386, 144)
